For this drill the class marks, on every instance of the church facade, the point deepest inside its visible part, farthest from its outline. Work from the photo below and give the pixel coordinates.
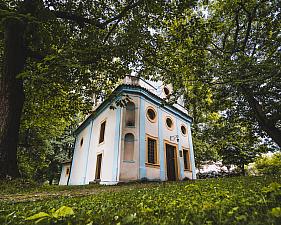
(146, 140)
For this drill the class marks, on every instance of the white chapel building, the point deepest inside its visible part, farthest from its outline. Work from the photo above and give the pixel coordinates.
(146, 140)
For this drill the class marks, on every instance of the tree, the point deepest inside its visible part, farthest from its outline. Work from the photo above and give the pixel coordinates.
(74, 48)
(245, 49)
(62, 150)
(42, 150)
(231, 48)
(238, 146)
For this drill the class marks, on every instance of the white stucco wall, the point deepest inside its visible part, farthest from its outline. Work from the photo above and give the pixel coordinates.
(183, 143)
(187, 174)
(105, 148)
(114, 167)
(153, 173)
(84, 158)
(77, 174)
(64, 176)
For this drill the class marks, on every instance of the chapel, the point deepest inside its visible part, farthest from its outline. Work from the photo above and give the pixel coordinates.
(148, 139)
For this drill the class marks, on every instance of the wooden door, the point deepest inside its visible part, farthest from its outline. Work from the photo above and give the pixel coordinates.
(98, 166)
(171, 162)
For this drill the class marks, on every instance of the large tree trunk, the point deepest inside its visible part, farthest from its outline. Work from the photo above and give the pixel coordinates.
(266, 124)
(11, 96)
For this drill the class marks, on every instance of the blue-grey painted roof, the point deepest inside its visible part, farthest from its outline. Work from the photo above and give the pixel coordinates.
(136, 90)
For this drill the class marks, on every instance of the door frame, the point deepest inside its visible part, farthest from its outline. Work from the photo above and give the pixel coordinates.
(176, 158)
(97, 165)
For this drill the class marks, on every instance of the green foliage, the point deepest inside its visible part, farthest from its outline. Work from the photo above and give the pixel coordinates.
(204, 152)
(276, 212)
(40, 154)
(238, 145)
(269, 165)
(224, 57)
(75, 51)
(54, 216)
(239, 200)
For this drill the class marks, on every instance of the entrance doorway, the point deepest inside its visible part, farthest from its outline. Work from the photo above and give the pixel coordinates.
(98, 166)
(171, 162)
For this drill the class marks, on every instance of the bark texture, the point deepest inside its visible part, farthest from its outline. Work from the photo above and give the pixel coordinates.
(11, 95)
(265, 123)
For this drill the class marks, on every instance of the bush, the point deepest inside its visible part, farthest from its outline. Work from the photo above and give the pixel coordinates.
(269, 165)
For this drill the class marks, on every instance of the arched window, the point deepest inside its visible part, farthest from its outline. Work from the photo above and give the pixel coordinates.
(129, 147)
(130, 114)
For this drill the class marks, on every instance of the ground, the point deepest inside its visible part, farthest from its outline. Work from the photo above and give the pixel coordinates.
(237, 200)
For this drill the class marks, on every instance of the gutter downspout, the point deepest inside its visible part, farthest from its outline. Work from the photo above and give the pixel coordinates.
(120, 144)
(191, 152)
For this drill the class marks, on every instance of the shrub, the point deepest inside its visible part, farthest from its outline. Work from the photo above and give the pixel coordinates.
(269, 165)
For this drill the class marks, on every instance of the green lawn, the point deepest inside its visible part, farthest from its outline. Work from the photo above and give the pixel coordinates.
(240, 200)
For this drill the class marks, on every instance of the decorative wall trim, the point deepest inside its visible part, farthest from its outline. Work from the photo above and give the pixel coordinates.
(192, 160)
(72, 161)
(181, 165)
(117, 140)
(147, 116)
(88, 150)
(140, 91)
(161, 145)
(142, 145)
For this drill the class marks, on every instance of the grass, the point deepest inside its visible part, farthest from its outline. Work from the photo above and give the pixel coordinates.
(239, 200)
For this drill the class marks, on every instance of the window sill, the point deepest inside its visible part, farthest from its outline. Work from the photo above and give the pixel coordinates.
(130, 126)
(101, 143)
(152, 165)
(187, 170)
(128, 161)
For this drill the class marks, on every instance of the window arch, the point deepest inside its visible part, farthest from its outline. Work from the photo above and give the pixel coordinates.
(129, 147)
(130, 114)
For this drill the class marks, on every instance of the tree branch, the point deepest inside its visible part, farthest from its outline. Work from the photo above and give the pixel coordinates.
(81, 20)
(34, 55)
(244, 8)
(247, 35)
(123, 12)
(275, 117)
(236, 31)
(219, 48)
(266, 124)
(110, 32)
